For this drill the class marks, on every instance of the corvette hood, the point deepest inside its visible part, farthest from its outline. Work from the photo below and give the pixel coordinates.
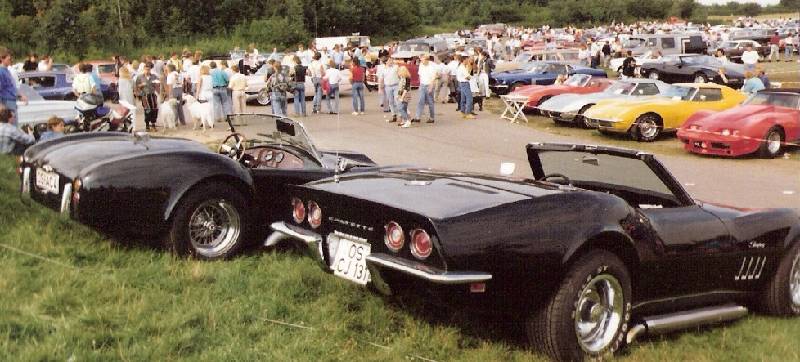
(516, 74)
(573, 102)
(733, 118)
(71, 154)
(433, 194)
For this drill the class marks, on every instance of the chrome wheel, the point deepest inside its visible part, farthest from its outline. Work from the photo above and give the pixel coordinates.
(699, 79)
(773, 142)
(263, 97)
(599, 313)
(794, 281)
(214, 227)
(648, 128)
(653, 75)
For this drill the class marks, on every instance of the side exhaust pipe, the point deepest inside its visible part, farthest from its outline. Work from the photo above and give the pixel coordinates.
(666, 323)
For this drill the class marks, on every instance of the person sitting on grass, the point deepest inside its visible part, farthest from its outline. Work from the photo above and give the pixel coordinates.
(55, 129)
(12, 140)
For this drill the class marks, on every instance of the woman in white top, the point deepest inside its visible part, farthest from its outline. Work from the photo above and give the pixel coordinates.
(334, 76)
(126, 86)
(204, 85)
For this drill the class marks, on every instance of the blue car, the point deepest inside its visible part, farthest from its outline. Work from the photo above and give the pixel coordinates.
(541, 73)
(50, 85)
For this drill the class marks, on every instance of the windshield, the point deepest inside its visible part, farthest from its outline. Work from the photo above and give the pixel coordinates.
(789, 100)
(727, 44)
(28, 92)
(523, 57)
(276, 130)
(621, 88)
(535, 67)
(411, 47)
(577, 80)
(680, 92)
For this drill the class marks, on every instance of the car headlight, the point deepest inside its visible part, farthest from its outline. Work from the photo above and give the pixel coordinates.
(729, 132)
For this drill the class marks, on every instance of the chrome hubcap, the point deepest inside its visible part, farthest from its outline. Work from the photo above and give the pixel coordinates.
(774, 142)
(699, 79)
(794, 281)
(648, 128)
(263, 97)
(214, 227)
(599, 313)
(653, 75)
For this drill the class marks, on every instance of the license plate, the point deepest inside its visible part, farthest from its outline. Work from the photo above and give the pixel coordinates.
(351, 261)
(46, 181)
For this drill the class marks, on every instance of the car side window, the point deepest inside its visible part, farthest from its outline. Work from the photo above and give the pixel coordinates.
(558, 68)
(647, 89)
(667, 43)
(708, 95)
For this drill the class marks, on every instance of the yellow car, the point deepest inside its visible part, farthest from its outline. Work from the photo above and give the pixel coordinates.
(645, 118)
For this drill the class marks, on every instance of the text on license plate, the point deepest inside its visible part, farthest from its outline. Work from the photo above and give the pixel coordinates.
(46, 181)
(351, 261)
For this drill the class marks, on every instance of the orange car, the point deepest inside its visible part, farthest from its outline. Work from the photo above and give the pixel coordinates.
(576, 83)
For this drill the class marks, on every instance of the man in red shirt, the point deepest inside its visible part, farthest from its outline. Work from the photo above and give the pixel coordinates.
(357, 73)
(774, 47)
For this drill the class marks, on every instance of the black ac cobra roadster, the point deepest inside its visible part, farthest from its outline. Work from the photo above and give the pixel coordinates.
(601, 246)
(203, 203)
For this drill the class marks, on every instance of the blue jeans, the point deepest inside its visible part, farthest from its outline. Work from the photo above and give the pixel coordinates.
(466, 98)
(425, 97)
(316, 104)
(358, 96)
(333, 91)
(300, 98)
(221, 103)
(403, 110)
(787, 51)
(11, 104)
(391, 97)
(278, 100)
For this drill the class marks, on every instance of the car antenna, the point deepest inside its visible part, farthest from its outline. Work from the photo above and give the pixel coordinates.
(338, 157)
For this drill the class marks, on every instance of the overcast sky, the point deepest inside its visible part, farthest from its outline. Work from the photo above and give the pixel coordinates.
(760, 2)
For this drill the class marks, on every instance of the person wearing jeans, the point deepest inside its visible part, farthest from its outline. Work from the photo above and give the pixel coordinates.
(357, 73)
(299, 73)
(428, 73)
(334, 77)
(463, 76)
(317, 71)
(390, 82)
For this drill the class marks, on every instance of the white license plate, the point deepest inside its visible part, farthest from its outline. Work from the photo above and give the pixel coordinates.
(351, 261)
(46, 181)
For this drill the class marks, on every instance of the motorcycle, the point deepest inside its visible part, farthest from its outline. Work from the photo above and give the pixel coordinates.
(93, 116)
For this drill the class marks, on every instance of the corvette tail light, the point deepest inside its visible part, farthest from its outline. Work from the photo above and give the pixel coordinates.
(298, 210)
(314, 214)
(394, 237)
(421, 246)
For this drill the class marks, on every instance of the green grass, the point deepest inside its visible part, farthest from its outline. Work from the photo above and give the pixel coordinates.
(67, 292)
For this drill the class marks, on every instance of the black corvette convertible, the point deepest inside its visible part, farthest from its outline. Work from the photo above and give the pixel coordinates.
(693, 68)
(203, 203)
(601, 246)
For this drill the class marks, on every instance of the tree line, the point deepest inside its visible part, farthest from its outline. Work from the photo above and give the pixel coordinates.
(91, 28)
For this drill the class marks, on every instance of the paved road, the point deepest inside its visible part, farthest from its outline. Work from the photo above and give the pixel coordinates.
(482, 144)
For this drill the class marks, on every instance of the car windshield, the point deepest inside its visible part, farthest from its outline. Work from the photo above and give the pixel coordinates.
(789, 100)
(621, 88)
(535, 67)
(577, 80)
(682, 93)
(701, 60)
(588, 169)
(277, 130)
(28, 92)
(523, 57)
(410, 47)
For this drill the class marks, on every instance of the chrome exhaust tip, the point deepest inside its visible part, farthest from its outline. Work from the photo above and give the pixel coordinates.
(666, 323)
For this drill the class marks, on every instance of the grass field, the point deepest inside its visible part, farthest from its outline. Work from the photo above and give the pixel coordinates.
(69, 293)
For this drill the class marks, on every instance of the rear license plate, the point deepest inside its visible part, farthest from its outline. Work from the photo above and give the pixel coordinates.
(46, 181)
(351, 261)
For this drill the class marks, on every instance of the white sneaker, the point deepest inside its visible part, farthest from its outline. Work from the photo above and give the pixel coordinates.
(355, 113)
(362, 113)
(406, 124)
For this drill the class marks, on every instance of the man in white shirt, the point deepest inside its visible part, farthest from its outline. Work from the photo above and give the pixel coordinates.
(750, 58)
(428, 73)
(453, 67)
(390, 82)
(317, 71)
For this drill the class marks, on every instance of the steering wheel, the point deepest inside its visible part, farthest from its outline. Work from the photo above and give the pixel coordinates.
(233, 146)
(557, 175)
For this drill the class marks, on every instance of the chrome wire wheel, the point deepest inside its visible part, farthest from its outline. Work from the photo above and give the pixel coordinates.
(599, 312)
(263, 97)
(653, 75)
(214, 227)
(794, 281)
(773, 142)
(648, 128)
(699, 79)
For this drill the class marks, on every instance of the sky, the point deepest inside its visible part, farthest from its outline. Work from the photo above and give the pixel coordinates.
(760, 2)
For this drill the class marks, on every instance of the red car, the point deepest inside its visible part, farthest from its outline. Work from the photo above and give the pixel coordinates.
(576, 83)
(406, 59)
(763, 124)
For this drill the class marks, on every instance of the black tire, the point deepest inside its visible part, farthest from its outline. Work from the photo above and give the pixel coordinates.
(777, 297)
(553, 328)
(579, 120)
(772, 144)
(221, 198)
(646, 128)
